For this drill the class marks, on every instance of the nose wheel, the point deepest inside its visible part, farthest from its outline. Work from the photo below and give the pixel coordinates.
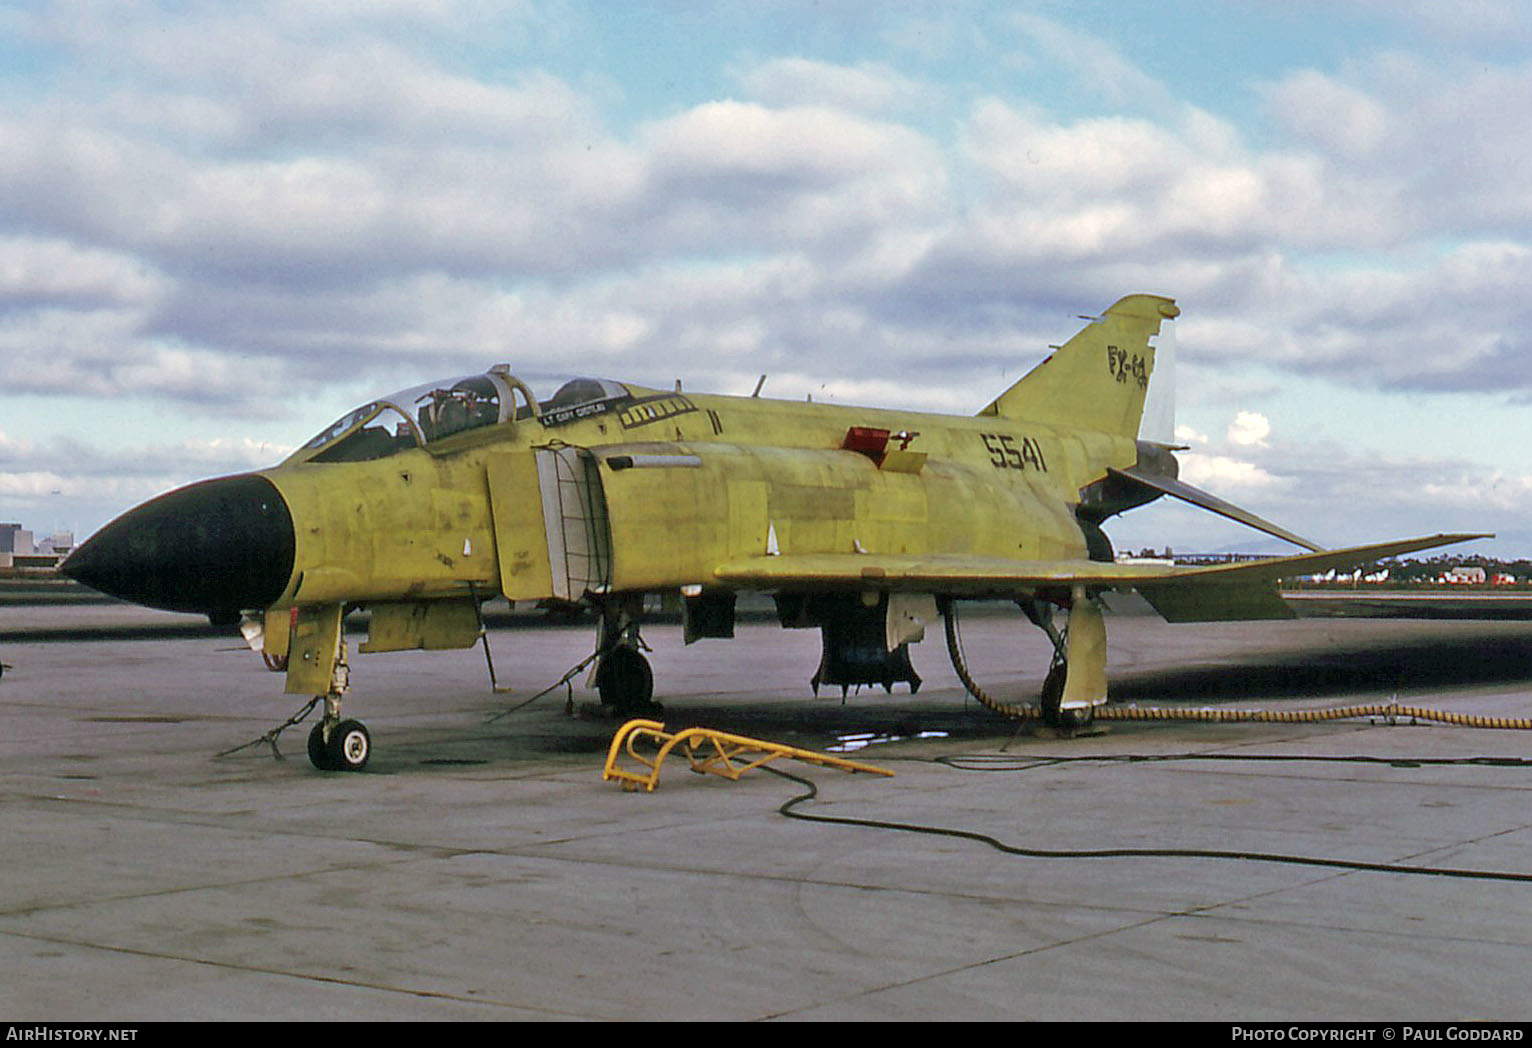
(348, 747)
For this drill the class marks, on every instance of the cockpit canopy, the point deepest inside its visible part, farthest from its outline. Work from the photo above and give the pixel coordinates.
(427, 414)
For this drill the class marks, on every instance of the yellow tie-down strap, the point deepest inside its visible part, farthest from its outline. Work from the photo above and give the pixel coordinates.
(716, 752)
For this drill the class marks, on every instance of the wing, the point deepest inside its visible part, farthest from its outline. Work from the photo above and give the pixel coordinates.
(1181, 593)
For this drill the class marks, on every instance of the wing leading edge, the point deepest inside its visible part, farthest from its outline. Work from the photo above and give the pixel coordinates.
(1181, 593)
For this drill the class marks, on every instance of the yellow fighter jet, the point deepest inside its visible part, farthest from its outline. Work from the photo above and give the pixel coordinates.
(861, 522)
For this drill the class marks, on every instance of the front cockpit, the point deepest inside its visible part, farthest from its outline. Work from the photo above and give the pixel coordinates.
(428, 415)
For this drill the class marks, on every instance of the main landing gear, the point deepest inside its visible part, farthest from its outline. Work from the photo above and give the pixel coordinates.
(1049, 699)
(1076, 680)
(623, 676)
(625, 681)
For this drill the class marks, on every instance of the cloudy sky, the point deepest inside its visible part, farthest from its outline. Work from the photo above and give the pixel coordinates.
(222, 225)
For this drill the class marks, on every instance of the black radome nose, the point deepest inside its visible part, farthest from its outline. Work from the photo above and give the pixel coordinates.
(218, 547)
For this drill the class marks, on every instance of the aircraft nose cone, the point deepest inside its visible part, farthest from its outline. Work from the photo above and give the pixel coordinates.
(217, 548)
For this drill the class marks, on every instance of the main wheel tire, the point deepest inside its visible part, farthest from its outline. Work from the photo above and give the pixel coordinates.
(1053, 693)
(350, 746)
(625, 681)
(1077, 718)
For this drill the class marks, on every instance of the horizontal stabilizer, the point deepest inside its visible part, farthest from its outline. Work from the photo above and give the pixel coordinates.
(1205, 500)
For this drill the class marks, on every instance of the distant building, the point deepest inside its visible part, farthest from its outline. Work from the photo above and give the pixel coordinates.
(60, 542)
(1463, 576)
(1147, 556)
(15, 539)
(19, 552)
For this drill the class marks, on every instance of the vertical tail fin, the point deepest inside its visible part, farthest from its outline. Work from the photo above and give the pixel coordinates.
(1097, 380)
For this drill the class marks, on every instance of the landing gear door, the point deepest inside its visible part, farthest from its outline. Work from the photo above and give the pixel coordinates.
(551, 530)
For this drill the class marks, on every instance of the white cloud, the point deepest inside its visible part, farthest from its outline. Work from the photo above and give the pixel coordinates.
(728, 173)
(867, 87)
(15, 448)
(1096, 66)
(1339, 118)
(34, 483)
(1249, 428)
(1476, 491)
(1495, 22)
(1187, 435)
(37, 270)
(1433, 145)
(1222, 473)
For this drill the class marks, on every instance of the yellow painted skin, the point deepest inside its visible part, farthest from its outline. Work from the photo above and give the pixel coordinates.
(698, 491)
(721, 480)
(419, 525)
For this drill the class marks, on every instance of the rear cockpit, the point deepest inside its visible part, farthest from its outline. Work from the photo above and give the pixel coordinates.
(425, 416)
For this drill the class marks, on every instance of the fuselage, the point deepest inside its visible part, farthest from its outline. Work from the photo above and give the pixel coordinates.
(717, 478)
(399, 507)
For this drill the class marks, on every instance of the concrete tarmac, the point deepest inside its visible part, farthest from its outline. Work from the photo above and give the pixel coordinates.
(482, 870)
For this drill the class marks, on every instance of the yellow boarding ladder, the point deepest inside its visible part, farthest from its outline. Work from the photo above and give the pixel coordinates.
(708, 750)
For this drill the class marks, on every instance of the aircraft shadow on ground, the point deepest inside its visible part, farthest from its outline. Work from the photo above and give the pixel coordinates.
(1404, 666)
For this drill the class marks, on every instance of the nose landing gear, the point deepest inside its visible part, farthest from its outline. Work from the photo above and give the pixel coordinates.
(335, 744)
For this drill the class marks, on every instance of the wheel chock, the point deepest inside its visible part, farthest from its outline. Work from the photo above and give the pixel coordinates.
(710, 752)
